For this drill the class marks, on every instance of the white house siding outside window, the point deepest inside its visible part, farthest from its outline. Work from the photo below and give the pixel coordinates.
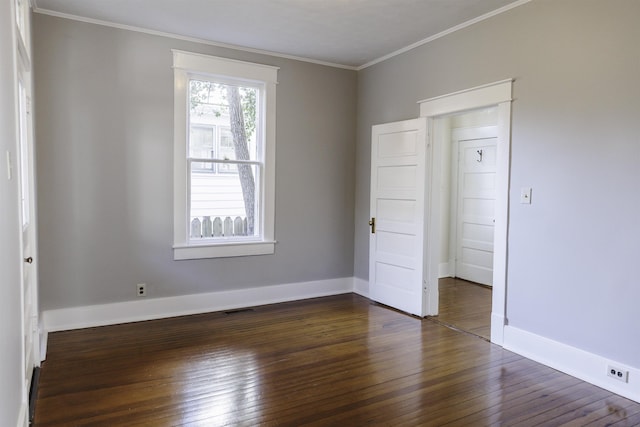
(224, 152)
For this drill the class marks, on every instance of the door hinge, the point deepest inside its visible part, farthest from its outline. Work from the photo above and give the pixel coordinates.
(372, 223)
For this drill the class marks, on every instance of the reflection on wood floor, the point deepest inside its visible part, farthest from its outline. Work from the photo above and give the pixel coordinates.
(333, 361)
(466, 306)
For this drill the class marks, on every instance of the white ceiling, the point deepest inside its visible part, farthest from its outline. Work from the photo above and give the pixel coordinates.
(349, 33)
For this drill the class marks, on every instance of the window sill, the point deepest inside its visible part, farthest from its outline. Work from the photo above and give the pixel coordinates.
(223, 250)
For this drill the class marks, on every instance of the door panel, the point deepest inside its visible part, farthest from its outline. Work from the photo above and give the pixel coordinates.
(396, 248)
(395, 214)
(397, 145)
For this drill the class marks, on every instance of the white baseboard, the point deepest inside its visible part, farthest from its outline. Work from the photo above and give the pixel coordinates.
(497, 328)
(581, 364)
(156, 308)
(44, 340)
(361, 287)
(23, 416)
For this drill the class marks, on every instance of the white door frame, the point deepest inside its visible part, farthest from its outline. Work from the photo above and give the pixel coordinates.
(493, 94)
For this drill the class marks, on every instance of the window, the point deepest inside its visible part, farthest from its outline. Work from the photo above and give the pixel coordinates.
(224, 153)
(23, 134)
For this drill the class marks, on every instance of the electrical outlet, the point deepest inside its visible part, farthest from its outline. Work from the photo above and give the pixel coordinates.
(618, 373)
(141, 289)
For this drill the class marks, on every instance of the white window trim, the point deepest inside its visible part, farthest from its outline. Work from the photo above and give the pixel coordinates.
(184, 64)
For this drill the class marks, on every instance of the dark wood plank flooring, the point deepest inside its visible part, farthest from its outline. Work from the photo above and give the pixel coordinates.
(334, 361)
(465, 305)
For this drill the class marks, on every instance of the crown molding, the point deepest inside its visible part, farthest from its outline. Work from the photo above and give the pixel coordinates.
(444, 33)
(186, 38)
(412, 46)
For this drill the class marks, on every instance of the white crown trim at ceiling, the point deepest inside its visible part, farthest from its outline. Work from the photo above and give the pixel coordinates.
(186, 38)
(445, 32)
(412, 46)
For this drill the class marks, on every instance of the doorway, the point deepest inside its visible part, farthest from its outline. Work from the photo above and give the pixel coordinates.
(438, 111)
(467, 220)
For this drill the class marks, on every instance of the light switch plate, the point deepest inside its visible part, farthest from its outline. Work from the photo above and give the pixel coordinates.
(525, 195)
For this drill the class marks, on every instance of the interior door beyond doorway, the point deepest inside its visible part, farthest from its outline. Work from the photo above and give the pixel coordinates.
(475, 203)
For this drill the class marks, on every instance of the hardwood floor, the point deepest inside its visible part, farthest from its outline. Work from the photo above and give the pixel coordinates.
(465, 305)
(334, 361)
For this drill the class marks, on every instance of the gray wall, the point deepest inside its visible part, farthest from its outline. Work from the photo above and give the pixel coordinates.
(10, 257)
(573, 254)
(104, 134)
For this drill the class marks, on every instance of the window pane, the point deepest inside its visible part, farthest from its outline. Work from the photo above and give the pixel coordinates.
(201, 147)
(225, 205)
(24, 156)
(226, 151)
(231, 108)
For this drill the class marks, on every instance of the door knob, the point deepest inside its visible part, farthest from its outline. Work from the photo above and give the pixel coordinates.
(372, 223)
(28, 260)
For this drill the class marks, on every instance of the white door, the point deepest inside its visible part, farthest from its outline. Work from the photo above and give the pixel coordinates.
(28, 241)
(396, 245)
(476, 193)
